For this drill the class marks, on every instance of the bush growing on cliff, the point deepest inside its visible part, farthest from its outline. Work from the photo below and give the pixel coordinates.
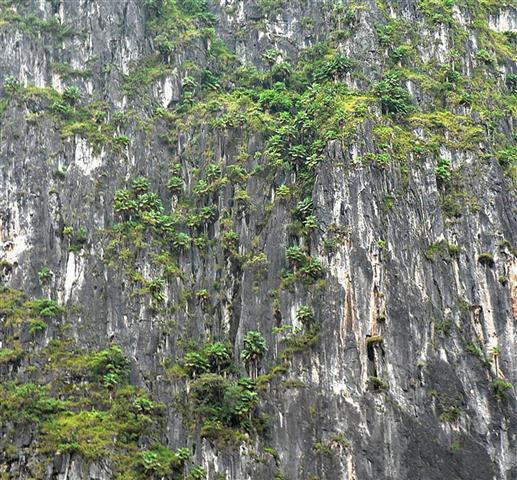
(111, 365)
(511, 81)
(195, 363)
(197, 473)
(438, 11)
(163, 461)
(443, 171)
(37, 326)
(27, 403)
(277, 99)
(295, 256)
(395, 99)
(218, 355)
(175, 184)
(213, 357)
(72, 95)
(486, 259)
(47, 308)
(305, 314)
(333, 69)
(45, 275)
(253, 351)
(11, 85)
(313, 269)
(218, 398)
(507, 158)
(500, 387)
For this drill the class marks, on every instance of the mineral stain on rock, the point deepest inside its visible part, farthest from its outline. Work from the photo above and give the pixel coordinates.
(258, 239)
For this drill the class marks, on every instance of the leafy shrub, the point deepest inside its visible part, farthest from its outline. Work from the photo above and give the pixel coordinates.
(270, 56)
(11, 85)
(313, 269)
(508, 160)
(310, 223)
(175, 184)
(162, 461)
(295, 256)
(110, 365)
(27, 403)
(121, 141)
(140, 185)
(281, 71)
(37, 325)
(47, 308)
(450, 414)
(181, 241)
(196, 363)
(401, 52)
(213, 357)
(443, 171)
(486, 259)
(303, 208)
(305, 314)
(143, 404)
(45, 275)
(283, 191)
(500, 387)
(377, 383)
(438, 11)
(277, 99)
(333, 69)
(231, 240)
(254, 347)
(218, 398)
(395, 99)
(156, 287)
(511, 81)
(72, 95)
(218, 355)
(485, 56)
(90, 433)
(197, 473)
(203, 294)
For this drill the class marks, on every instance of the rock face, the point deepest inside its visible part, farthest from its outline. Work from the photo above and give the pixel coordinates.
(338, 176)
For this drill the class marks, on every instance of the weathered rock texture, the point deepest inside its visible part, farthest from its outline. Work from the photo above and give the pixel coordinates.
(414, 312)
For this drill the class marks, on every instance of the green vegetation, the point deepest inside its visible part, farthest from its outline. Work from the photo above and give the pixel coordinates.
(438, 11)
(450, 414)
(23, 17)
(81, 401)
(11, 85)
(500, 387)
(395, 99)
(374, 339)
(213, 357)
(253, 351)
(219, 400)
(305, 267)
(508, 160)
(45, 275)
(377, 384)
(486, 259)
(443, 171)
(305, 314)
(223, 404)
(333, 446)
(188, 234)
(442, 249)
(164, 462)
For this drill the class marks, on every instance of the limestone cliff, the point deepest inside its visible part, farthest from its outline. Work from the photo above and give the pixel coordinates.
(258, 239)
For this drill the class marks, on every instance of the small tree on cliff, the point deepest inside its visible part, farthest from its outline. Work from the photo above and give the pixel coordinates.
(253, 352)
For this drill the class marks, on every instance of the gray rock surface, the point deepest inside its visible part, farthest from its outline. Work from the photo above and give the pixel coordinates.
(379, 278)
